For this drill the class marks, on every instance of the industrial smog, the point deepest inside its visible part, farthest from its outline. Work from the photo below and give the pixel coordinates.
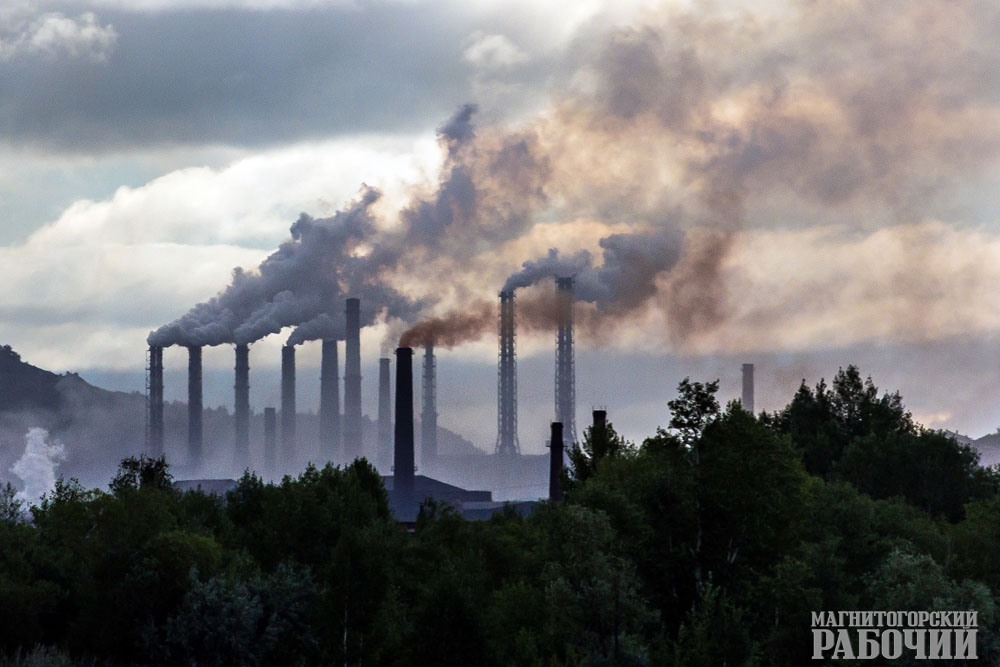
(351, 238)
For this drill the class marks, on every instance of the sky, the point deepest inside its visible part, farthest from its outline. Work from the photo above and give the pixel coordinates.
(799, 184)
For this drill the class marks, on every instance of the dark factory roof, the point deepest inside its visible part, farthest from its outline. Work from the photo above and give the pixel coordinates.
(427, 487)
(470, 504)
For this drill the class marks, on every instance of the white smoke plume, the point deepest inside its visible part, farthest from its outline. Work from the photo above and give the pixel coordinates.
(479, 199)
(305, 281)
(37, 466)
(625, 279)
(852, 113)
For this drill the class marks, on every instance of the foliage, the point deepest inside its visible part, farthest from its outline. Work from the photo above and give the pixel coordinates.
(142, 473)
(228, 621)
(708, 544)
(11, 507)
(600, 442)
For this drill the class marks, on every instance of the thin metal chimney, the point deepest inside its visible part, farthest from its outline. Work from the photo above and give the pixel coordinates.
(241, 406)
(270, 440)
(155, 401)
(385, 447)
(403, 445)
(507, 443)
(565, 365)
(288, 403)
(195, 405)
(428, 414)
(748, 388)
(555, 462)
(329, 399)
(352, 381)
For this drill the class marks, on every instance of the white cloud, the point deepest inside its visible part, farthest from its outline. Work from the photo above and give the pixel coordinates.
(106, 272)
(493, 51)
(252, 201)
(253, 5)
(55, 34)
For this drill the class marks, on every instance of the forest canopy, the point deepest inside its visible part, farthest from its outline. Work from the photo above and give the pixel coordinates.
(708, 543)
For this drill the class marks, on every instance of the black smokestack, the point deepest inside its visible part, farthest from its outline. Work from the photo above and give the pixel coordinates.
(555, 461)
(329, 399)
(600, 420)
(748, 388)
(270, 439)
(352, 380)
(194, 405)
(403, 464)
(507, 443)
(155, 400)
(288, 403)
(384, 455)
(241, 416)
(428, 413)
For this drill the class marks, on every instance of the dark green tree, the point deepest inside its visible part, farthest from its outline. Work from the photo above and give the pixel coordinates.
(142, 472)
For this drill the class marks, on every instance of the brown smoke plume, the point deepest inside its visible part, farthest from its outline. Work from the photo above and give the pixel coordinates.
(536, 312)
(695, 297)
(856, 114)
(453, 328)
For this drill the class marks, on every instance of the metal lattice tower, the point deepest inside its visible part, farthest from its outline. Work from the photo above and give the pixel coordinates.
(565, 365)
(428, 414)
(507, 443)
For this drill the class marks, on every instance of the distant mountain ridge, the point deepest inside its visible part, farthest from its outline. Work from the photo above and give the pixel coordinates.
(988, 447)
(27, 387)
(99, 427)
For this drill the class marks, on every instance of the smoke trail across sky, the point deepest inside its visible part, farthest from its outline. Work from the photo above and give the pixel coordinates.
(675, 147)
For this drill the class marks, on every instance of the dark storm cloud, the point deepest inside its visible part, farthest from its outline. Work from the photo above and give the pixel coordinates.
(241, 77)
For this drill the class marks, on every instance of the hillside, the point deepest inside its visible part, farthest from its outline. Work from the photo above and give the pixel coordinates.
(100, 427)
(988, 447)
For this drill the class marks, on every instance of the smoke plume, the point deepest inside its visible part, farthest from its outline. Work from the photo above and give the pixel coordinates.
(452, 328)
(856, 114)
(303, 283)
(37, 466)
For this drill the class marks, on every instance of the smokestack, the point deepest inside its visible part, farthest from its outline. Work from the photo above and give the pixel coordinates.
(288, 403)
(428, 415)
(352, 381)
(155, 398)
(555, 462)
(270, 439)
(385, 453)
(241, 410)
(600, 419)
(329, 399)
(748, 388)
(403, 446)
(194, 404)
(565, 366)
(507, 443)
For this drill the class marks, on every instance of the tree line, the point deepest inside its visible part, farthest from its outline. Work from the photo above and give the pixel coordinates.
(709, 543)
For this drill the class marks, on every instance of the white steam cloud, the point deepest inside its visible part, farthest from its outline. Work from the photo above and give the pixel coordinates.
(37, 467)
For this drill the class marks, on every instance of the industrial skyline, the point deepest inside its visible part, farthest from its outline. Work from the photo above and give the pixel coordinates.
(799, 212)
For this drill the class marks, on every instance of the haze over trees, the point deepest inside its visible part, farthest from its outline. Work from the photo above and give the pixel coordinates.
(709, 543)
